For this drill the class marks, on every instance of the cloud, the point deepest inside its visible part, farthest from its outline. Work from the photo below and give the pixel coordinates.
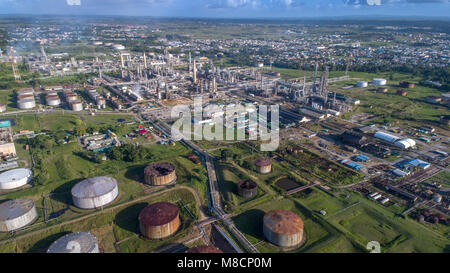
(73, 2)
(233, 4)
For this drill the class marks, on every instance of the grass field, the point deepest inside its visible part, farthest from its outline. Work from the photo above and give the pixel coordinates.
(57, 122)
(64, 166)
(229, 177)
(442, 178)
(317, 233)
(119, 225)
(389, 106)
(368, 221)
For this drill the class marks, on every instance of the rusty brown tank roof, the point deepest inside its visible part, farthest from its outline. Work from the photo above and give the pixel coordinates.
(283, 222)
(247, 184)
(158, 214)
(204, 249)
(159, 169)
(262, 162)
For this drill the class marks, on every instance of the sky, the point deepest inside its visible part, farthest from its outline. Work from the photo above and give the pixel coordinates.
(230, 8)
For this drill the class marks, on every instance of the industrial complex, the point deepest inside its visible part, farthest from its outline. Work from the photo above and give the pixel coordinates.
(149, 136)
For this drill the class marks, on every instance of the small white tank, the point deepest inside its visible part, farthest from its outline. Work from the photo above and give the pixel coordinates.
(15, 178)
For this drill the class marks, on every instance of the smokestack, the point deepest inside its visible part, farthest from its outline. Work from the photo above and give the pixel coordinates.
(315, 77)
(145, 61)
(195, 72)
(122, 65)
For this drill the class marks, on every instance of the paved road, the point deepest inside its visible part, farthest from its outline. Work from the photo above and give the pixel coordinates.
(213, 188)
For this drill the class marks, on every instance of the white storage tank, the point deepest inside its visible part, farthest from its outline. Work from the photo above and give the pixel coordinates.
(25, 92)
(15, 178)
(95, 192)
(16, 214)
(53, 100)
(76, 105)
(378, 81)
(79, 242)
(362, 84)
(26, 103)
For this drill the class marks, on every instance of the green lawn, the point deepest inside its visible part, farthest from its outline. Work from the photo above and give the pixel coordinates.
(317, 232)
(118, 225)
(369, 221)
(389, 106)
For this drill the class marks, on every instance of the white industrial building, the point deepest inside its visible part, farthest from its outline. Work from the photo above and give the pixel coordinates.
(386, 137)
(405, 143)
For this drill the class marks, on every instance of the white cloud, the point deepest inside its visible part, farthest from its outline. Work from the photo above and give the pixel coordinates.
(73, 2)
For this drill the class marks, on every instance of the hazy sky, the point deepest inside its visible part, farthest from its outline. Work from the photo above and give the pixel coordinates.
(229, 8)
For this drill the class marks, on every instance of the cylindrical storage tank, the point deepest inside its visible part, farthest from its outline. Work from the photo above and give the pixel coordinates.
(15, 178)
(159, 174)
(382, 89)
(283, 228)
(53, 100)
(407, 85)
(26, 103)
(95, 192)
(25, 92)
(247, 188)
(71, 98)
(263, 165)
(437, 198)
(159, 220)
(16, 214)
(79, 242)
(378, 81)
(362, 84)
(2, 107)
(204, 249)
(77, 105)
(25, 96)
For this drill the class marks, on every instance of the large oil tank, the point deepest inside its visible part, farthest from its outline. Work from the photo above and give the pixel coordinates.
(95, 192)
(53, 100)
(159, 220)
(16, 214)
(204, 249)
(79, 242)
(263, 165)
(247, 188)
(362, 84)
(26, 103)
(283, 228)
(160, 174)
(25, 96)
(15, 178)
(378, 81)
(76, 105)
(70, 97)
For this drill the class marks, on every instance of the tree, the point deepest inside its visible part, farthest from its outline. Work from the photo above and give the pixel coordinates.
(226, 154)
